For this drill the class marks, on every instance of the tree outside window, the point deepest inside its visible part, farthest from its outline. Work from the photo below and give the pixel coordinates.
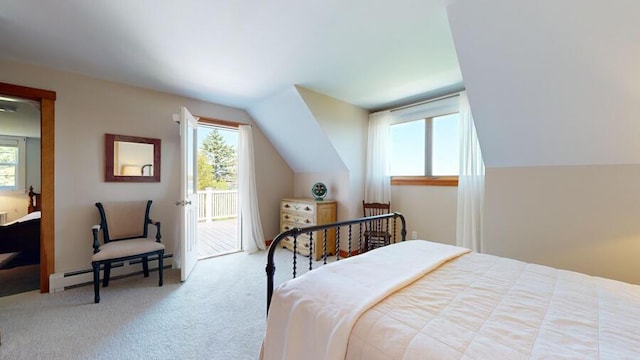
(217, 163)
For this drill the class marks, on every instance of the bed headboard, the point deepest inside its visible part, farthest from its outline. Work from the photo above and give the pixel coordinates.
(34, 201)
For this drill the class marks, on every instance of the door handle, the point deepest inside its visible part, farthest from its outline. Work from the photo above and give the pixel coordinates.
(183, 203)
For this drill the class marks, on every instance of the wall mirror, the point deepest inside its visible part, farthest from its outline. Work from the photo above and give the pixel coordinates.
(131, 159)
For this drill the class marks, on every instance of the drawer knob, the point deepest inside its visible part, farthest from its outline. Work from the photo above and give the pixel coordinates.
(307, 208)
(287, 206)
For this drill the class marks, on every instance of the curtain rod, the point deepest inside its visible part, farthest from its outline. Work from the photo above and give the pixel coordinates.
(442, 97)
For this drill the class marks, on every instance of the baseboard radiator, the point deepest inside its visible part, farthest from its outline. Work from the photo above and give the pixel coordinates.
(61, 281)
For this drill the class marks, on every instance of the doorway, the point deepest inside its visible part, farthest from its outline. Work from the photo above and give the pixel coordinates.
(46, 99)
(19, 170)
(217, 188)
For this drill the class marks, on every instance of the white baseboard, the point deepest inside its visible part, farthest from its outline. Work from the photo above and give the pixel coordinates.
(60, 281)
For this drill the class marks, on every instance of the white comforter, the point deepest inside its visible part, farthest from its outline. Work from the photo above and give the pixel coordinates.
(311, 316)
(486, 307)
(473, 307)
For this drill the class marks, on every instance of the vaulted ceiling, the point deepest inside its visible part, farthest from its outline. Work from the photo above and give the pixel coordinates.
(238, 52)
(550, 83)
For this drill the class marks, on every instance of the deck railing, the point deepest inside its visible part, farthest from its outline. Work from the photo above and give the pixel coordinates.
(217, 204)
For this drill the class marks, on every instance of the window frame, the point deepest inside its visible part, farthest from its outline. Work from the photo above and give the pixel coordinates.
(425, 180)
(21, 165)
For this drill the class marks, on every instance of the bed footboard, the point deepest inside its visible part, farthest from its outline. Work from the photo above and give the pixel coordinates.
(357, 233)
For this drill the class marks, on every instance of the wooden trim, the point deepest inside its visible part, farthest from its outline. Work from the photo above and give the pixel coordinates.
(47, 190)
(345, 254)
(223, 123)
(47, 166)
(26, 92)
(425, 180)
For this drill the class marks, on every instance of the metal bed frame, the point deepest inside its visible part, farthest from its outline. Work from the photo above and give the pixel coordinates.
(390, 222)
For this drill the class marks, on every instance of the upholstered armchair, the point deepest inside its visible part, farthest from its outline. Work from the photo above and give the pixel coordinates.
(124, 227)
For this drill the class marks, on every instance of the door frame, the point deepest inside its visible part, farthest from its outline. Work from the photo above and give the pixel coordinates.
(231, 125)
(47, 101)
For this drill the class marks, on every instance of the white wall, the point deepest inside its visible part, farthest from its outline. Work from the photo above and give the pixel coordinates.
(25, 121)
(33, 164)
(85, 110)
(555, 92)
(285, 118)
(551, 82)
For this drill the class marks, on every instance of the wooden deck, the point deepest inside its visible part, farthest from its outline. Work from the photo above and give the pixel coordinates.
(218, 237)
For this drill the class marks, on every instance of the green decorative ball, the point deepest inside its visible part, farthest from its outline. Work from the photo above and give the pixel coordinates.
(319, 191)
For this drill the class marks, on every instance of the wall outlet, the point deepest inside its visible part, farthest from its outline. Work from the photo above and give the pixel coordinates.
(414, 235)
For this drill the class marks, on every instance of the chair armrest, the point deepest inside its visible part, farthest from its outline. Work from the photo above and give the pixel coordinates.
(96, 243)
(157, 224)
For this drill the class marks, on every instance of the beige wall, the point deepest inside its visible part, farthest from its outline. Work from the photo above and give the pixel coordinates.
(14, 204)
(581, 218)
(346, 127)
(86, 109)
(431, 211)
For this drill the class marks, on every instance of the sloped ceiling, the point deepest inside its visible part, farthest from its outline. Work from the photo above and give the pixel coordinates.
(551, 82)
(293, 130)
(243, 53)
(238, 52)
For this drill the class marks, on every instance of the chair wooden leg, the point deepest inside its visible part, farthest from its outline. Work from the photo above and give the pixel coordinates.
(160, 267)
(107, 274)
(145, 266)
(96, 281)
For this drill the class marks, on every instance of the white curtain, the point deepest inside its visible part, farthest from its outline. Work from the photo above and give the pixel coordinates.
(377, 182)
(470, 182)
(250, 225)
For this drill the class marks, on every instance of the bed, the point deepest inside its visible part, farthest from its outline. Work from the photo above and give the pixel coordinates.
(419, 300)
(23, 234)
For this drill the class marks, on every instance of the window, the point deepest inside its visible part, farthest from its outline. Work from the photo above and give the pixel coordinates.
(424, 144)
(12, 163)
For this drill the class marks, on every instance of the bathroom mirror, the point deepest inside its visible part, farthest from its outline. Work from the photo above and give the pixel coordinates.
(131, 159)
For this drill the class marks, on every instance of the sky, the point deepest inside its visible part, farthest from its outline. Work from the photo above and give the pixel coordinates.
(408, 147)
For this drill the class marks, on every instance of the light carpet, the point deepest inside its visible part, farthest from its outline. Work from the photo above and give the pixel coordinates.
(219, 313)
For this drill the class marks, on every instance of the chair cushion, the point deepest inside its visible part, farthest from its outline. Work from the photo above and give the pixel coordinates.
(123, 248)
(125, 219)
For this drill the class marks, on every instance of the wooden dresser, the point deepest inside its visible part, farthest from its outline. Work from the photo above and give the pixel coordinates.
(303, 212)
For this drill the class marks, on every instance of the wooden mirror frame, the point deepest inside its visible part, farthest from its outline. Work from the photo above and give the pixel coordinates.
(109, 176)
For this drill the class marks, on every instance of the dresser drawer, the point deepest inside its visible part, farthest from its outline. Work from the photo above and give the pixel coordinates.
(299, 219)
(302, 244)
(297, 207)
